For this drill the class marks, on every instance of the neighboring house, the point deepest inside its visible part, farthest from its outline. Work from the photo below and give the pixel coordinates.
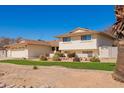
(3, 52)
(30, 49)
(84, 42)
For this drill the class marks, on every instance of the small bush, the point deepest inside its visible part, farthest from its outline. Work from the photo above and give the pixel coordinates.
(76, 59)
(94, 59)
(47, 55)
(43, 58)
(35, 67)
(70, 55)
(56, 58)
(59, 54)
(24, 58)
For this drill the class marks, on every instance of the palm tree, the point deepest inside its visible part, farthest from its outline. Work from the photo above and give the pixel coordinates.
(118, 32)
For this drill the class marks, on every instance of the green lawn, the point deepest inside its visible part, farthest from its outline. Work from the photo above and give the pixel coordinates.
(75, 65)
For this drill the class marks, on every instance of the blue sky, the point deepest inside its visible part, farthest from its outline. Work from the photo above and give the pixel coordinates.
(45, 22)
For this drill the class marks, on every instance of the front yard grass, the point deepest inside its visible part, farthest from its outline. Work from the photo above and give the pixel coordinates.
(74, 65)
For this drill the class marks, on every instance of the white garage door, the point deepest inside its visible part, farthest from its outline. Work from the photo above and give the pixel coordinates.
(19, 53)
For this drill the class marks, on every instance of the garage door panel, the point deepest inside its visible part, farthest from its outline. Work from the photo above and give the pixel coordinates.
(19, 53)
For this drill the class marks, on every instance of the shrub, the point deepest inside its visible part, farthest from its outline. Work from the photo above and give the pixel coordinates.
(43, 58)
(76, 59)
(56, 58)
(70, 55)
(47, 55)
(94, 59)
(35, 67)
(24, 58)
(59, 54)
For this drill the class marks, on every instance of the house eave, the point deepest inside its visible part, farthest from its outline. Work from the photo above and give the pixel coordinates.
(98, 33)
(76, 34)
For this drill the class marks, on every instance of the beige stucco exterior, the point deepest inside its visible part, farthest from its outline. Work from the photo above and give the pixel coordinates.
(3, 53)
(104, 41)
(18, 53)
(31, 51)
(35, 51)
(81, 46)
(76, 43)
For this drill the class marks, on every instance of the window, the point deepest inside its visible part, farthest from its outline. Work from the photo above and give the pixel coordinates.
(86, 37)
(53, 48)
(66, 39)
(57, 48)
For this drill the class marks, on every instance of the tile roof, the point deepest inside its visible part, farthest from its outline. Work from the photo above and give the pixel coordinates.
(34, 42)
(24, 43)
(83, 31)
(54, 43)
(74, 33)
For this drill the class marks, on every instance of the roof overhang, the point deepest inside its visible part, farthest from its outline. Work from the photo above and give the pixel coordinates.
(75, 34)
(80, 34)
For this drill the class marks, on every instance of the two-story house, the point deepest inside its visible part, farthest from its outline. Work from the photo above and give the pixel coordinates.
(84, 42)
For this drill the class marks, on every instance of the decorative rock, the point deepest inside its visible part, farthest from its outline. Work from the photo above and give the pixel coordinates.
(2, 85)
(11, 86)
(20, 87)
(2, 74)
(24, 86)
(31, 87)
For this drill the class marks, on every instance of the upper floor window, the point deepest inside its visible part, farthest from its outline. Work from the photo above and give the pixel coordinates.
(66, 39)
(86, 37)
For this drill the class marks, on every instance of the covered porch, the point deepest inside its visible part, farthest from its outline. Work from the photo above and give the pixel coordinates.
(82, 53)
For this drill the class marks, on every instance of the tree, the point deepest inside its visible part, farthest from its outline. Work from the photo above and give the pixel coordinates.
(118, 32)
(18, 39)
